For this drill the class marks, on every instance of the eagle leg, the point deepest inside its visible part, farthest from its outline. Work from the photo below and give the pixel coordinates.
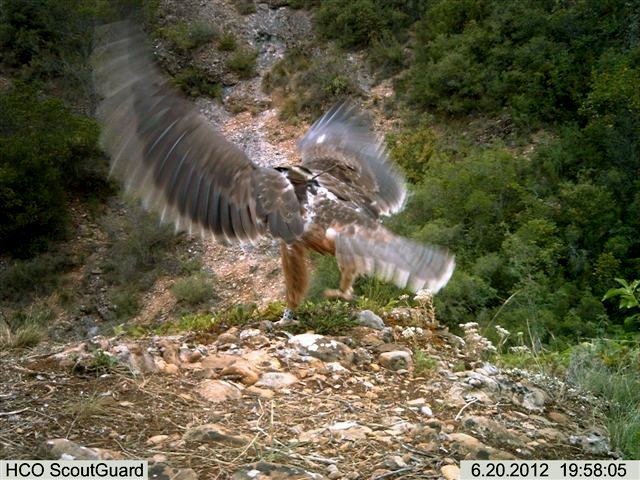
(296, 272)
(347, 276)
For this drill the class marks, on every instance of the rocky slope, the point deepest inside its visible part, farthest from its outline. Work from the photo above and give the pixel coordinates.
(256, 402)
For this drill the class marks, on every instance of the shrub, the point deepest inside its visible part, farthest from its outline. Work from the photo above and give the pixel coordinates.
(243, 62)
(193, 290)
(358, 23)
(387, 56)
(23, 280)
(195, 82)
(609, 369)
(189, 36)
(47, 154)
(227, 42)
(324, 318)
(245, 7)
(308, 84)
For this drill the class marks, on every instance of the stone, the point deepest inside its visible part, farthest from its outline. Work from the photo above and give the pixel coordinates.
(162, 471)
(218, 361)
(558, 417)
(333, 473)
(211, 432)
(467, 444)
(336, 367)
(321, 347)
(246, 373)
(528, 396)
(395, 462)
(228, 337)
(416, 402)
(349, 431)
(249, 332)
(276, 380)
(170, 369)
(493, 430)
(138, 360)
(157, 439)
(426, 411)
(218, 391)
(367, 318)
(63, 449)
(262, 359)
(169, 351)
(274, 471)
(592, 443)
(395, 360)
(450, 472)
(260, 392)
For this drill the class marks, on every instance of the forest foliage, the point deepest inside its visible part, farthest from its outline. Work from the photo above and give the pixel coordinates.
(541, 237)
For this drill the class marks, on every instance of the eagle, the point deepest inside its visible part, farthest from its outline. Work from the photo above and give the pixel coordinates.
(167, 153)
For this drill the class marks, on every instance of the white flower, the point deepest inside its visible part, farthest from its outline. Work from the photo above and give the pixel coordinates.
(503, 332)
(423, 296)
(468, 326)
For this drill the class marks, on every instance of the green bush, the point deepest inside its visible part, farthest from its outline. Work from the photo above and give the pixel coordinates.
(307, 84)
(189, 36)
(227, 42)
(533, 59)
(245, 7)
(243, 62)
(609, 369)
(358, 23)
(48, 156)
(195, 82)
(193, 290)
(324, 318)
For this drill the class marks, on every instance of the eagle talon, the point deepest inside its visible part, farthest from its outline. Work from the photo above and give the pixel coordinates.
(334, 294)
(286, 319)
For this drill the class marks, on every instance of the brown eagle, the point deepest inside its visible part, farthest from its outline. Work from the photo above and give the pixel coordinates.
(165, 151)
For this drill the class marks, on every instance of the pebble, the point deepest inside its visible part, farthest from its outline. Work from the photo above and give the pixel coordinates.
(276, 380)
(218, 391)
(367, 318)
(395, 360)
(450, 472)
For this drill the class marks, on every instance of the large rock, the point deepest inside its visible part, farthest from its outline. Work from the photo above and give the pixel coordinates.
(218, 391)
(276, 380)
(63, 449)
(367, 318)
(321, 347)
(396, 360)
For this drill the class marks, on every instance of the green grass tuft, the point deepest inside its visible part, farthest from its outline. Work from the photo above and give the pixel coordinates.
(193, 290)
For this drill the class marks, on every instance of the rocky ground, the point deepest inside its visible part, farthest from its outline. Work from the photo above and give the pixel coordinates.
(387, 400)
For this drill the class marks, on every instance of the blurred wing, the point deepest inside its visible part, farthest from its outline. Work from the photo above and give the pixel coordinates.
(342, 144)
(394, 259)
(165, 151)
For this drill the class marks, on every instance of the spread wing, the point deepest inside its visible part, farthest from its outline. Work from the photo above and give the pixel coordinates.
(394, 259)
(370, 249)
(165, 151)
(355, 161)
